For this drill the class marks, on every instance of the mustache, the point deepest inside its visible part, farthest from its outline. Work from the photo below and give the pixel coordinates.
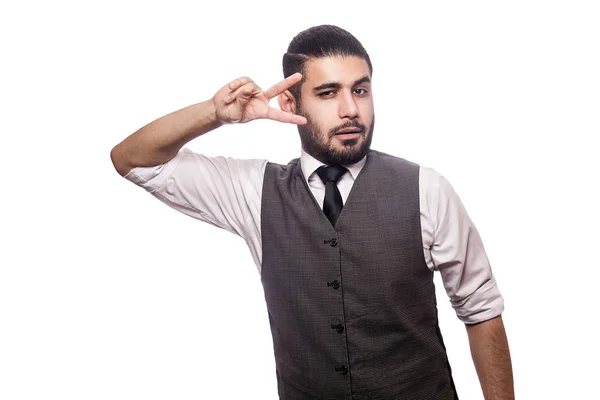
(349, 124)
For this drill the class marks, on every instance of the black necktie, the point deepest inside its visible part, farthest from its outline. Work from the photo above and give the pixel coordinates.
(332, 206)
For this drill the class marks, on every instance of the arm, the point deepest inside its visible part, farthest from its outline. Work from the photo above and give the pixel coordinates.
(159, 141)
(454, 247)
(491, 356)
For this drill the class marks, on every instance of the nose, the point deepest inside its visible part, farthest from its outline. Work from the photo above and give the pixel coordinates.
(347, 106)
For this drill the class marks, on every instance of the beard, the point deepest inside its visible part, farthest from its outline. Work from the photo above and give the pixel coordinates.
(321, 146)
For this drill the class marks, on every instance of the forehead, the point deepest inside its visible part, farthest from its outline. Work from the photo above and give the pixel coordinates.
(342, 69)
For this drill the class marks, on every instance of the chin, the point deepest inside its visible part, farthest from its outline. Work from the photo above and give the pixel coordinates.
(349, 154)
(335, 151)
(351, 143)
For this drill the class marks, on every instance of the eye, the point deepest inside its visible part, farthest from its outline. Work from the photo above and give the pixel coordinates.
(327, 93)
(360, 91)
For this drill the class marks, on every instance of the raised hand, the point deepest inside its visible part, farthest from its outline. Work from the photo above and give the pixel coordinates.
(242, 101)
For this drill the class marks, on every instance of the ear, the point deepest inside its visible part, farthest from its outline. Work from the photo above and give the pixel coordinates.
(287, 102)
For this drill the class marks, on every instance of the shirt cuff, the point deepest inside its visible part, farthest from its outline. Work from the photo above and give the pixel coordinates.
(484, 304)
(153, 178)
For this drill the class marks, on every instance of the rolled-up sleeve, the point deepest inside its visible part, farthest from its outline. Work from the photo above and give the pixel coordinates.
(222, 191)
(454, 247)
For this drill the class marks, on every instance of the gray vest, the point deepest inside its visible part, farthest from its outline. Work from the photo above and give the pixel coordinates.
(352, 310)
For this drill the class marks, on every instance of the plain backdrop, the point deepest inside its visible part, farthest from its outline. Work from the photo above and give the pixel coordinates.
(106, 293)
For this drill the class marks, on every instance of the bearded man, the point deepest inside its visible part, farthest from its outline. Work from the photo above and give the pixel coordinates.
(346, 238)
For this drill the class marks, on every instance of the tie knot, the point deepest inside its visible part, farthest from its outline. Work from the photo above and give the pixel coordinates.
(332, 173)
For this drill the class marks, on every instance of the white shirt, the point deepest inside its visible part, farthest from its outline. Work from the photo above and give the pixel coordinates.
(226, 193)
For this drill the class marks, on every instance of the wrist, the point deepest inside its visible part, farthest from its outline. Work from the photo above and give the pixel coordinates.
(212, 115)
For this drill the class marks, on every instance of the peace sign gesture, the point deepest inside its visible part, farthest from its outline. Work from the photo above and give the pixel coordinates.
(242, 101)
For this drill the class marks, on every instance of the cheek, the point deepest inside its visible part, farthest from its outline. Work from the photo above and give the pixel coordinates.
(367, 108)
(323, 112)
(322, 119)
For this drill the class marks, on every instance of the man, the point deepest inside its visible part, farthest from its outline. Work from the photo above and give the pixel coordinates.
(346, 238)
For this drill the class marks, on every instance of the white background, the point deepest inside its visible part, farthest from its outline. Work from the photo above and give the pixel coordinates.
(106, 293)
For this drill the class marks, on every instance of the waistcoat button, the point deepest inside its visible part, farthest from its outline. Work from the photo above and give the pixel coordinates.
(333, 242)
(338, 327)
(342, 370)
(334, 284)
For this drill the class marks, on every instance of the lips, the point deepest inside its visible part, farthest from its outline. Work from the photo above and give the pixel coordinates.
(348, 131)
(348, 134)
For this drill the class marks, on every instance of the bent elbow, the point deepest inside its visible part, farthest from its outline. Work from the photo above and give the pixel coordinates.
(118, 161)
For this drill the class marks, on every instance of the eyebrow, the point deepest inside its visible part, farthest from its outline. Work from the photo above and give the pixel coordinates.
(337, 85)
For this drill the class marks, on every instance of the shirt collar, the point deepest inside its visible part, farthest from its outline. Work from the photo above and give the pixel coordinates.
(309, 165)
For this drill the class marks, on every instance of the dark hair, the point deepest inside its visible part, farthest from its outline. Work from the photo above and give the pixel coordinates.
(317, 42)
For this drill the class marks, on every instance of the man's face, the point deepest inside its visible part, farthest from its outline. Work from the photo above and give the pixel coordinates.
(337, 102)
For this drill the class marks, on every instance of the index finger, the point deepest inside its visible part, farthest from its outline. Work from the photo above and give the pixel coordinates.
(283, 85)
(282, 116)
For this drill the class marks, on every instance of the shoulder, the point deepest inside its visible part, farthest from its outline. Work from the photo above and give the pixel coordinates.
(278, 170)
(431, 180)
(430, 177)
(394, 167)
(391, 160)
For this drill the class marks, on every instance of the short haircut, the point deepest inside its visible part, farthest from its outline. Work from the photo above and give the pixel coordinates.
(318, 42)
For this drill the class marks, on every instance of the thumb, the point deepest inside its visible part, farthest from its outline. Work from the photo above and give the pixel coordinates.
(246, 92)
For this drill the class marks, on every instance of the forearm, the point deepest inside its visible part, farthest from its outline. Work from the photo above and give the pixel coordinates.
(159, 141)
(491, 357)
